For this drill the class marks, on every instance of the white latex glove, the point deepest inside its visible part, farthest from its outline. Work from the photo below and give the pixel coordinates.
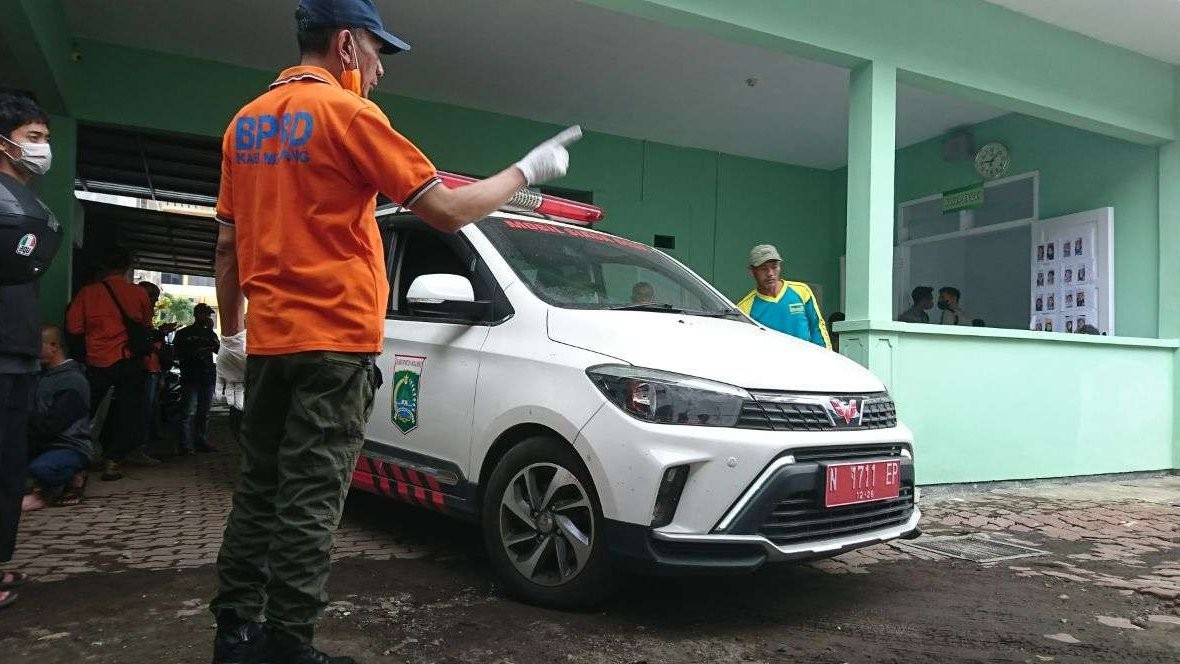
(235, 395)
(231, 369)
(550, 159)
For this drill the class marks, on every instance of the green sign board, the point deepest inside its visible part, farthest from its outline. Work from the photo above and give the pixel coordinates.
(963, 198)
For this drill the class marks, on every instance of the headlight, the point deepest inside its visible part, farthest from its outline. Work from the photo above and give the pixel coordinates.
(668, 398)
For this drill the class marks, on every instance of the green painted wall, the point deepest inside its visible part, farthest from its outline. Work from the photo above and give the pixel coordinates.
(705, 199)
(1079, 171)
(787, 206)
(1025, 406)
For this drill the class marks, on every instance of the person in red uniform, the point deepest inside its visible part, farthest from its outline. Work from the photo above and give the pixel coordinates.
(302, 165)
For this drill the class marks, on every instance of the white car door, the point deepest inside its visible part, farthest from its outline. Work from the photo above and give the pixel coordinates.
(430, 365)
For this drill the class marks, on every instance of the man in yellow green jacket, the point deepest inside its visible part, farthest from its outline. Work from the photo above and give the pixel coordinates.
(787, 306)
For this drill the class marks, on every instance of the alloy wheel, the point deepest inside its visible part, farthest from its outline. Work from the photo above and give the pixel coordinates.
(547, 524)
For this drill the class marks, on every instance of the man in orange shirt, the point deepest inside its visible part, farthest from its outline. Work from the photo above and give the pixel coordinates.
(301, 167)
(96, 313)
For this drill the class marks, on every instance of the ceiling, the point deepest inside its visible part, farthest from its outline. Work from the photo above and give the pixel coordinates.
(159, 241)
(181, 169)
(1149, 27)
(558, 61)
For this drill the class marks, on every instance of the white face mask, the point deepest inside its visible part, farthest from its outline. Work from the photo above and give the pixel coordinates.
(35, 158)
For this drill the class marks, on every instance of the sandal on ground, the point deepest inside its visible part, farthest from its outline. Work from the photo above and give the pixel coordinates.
(7, 601)
(74, 492)
(68, 498)
(111, 471)
(18, 580)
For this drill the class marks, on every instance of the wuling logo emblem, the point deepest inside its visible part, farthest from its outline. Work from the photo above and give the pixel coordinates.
(849, 411)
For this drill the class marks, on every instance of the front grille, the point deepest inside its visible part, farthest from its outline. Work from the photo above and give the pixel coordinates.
(879, 414)
(784, 417)
(717, 551)
(802, 517)
(848, 452)
(810, 414)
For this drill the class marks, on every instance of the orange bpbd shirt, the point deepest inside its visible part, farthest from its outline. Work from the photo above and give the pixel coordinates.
(301, 168)
(93, 314)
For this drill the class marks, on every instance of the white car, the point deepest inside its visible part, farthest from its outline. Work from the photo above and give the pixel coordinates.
(593, 403)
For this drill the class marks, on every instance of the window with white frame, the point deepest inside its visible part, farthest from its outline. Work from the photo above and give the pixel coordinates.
(983, 252)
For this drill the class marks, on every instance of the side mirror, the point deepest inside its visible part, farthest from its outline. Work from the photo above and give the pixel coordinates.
(448, 296)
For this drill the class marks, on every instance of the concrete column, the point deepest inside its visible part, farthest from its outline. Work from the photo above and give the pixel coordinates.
(1169, 257)
(872, 123)
(1169, 299)
(871, 146)
(57, 190)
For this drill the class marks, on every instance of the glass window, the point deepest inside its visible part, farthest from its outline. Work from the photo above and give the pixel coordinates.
(172, 279)
(991, 270)
(1011, 201)
(425, 251)
(919, 220)
(972, 251)
(1014, 200)
(579, 269)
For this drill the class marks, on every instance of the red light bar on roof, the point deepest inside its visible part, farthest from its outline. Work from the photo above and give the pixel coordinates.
(526, 200)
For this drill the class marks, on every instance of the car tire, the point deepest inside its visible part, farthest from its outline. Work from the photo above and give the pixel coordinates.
(565, 563)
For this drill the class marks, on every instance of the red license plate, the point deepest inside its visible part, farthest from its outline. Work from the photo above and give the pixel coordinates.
(861, 482)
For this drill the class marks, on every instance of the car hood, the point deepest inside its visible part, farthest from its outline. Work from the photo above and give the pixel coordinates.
(730, 351)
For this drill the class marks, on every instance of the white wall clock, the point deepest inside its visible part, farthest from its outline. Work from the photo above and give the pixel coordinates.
(992, 160)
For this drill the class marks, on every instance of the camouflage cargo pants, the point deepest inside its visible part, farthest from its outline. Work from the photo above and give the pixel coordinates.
(302, 429)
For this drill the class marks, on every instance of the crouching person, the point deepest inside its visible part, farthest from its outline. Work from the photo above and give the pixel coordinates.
(59, 427)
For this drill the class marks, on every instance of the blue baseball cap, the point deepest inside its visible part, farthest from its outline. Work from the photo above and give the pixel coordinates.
(348, 14)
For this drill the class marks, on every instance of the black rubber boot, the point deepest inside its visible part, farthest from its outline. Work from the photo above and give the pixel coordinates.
(278, 648)
(236, 639)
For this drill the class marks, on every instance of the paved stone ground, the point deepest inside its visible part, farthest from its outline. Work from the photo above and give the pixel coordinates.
(1122, 542)
(169, 516)
(1111, 568)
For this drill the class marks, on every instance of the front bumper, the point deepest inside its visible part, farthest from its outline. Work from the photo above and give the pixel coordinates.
(627, 460)
(778, 518)
(641, 548)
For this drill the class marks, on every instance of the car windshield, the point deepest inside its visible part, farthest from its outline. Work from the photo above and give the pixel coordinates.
(574, 268)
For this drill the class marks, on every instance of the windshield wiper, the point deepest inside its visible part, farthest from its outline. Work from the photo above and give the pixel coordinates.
(651, 306)
(716, 314)
(669, 309)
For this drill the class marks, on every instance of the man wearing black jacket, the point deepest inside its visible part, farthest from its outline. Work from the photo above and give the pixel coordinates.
(59, 426)
(24, 153)
(194, 347)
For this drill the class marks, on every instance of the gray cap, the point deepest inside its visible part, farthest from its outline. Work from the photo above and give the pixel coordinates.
(762, 253)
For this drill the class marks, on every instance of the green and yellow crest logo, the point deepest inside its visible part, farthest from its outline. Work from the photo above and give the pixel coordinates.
(407, 380)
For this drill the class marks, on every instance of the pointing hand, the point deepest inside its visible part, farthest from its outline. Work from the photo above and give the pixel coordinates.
(550, 159)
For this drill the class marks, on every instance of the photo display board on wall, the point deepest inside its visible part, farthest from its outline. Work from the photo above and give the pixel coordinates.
(1072, 280)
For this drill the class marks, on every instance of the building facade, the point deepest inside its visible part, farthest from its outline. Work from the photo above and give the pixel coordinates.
(1096, 122)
